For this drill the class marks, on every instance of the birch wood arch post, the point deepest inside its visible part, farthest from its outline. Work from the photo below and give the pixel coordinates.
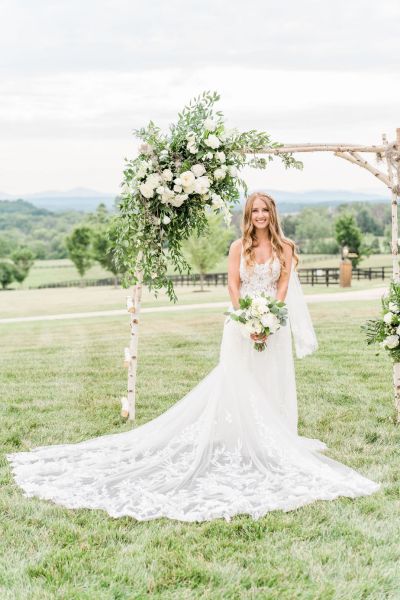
(389, 154)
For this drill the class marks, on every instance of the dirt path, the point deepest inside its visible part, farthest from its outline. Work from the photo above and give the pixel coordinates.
(373, 294)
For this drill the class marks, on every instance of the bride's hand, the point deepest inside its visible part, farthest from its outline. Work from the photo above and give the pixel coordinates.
(256, 337)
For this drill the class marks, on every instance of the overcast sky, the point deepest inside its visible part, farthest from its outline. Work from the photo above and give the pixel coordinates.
(76, 77)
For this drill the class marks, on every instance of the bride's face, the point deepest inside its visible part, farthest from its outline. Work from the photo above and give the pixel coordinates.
(260, 214)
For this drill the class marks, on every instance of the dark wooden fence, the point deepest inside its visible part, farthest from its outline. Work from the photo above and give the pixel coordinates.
(322, 276)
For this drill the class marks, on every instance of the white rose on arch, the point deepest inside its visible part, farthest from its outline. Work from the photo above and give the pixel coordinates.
(178, 200)
(153, 180)
(392, 341)
(232, 171)
(212, 141)
(167, 175)
(187, 178)
(393, 307)
(220, 156)
(210, 124)
(219, 173)
(202, 185)
(388, 318)
(198, 170)
(146, 190)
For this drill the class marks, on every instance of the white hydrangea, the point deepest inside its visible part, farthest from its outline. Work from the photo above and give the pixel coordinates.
(212, 141)
(198, 170)
(187, 178)
(392, 341)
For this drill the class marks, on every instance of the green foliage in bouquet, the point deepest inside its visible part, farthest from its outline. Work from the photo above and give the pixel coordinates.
(385, 330)
(176, 179)
(261, 315)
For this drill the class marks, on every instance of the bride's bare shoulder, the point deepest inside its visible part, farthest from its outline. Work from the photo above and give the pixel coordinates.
(236, 247)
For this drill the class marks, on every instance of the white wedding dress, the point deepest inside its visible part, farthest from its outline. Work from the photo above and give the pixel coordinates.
(230, 446)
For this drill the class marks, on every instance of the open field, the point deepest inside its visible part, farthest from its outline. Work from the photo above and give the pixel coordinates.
(61, 382)
(54, 271)
(24, 303)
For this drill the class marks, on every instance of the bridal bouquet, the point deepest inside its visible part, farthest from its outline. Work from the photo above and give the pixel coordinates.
(261, 315)
(386, 330)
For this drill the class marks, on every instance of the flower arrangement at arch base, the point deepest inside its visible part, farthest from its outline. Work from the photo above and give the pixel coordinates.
(174, 181)
(385, 330)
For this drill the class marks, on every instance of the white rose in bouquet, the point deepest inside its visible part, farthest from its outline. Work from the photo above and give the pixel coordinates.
(146, 190)
(392, 341)
(212, 141)
(198, 170)
(177, 188)
(187, 178)
(271, 321)
(167, 175)
(201, 185)
(388, 317)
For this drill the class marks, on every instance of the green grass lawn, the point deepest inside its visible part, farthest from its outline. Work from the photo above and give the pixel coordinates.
(61, 382)
(54, 271)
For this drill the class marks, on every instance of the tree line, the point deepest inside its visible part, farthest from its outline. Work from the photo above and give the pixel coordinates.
(28, 233)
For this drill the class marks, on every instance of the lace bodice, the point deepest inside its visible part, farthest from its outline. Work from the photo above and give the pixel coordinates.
(262, 278)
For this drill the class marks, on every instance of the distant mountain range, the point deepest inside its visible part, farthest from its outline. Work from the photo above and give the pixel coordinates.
(85, 199)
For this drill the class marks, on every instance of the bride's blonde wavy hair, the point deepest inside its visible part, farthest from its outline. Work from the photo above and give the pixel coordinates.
(274, 228)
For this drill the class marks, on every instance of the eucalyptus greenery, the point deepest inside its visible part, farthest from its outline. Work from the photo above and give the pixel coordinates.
(174, 181)
(385, 330)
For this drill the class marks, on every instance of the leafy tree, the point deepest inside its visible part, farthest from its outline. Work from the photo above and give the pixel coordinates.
(23, 259)
(8, 273)
(204, 252)
(349, 234)
(104, 242)
(79, 245)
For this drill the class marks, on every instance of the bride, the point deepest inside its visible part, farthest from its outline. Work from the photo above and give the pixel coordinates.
(230, 446)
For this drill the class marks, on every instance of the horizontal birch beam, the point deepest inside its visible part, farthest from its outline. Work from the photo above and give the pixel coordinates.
(321, 148)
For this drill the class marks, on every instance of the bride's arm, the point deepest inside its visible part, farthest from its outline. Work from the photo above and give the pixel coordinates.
(234, 272)
(283, 280)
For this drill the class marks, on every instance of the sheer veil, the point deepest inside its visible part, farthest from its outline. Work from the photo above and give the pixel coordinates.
(305, 340)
